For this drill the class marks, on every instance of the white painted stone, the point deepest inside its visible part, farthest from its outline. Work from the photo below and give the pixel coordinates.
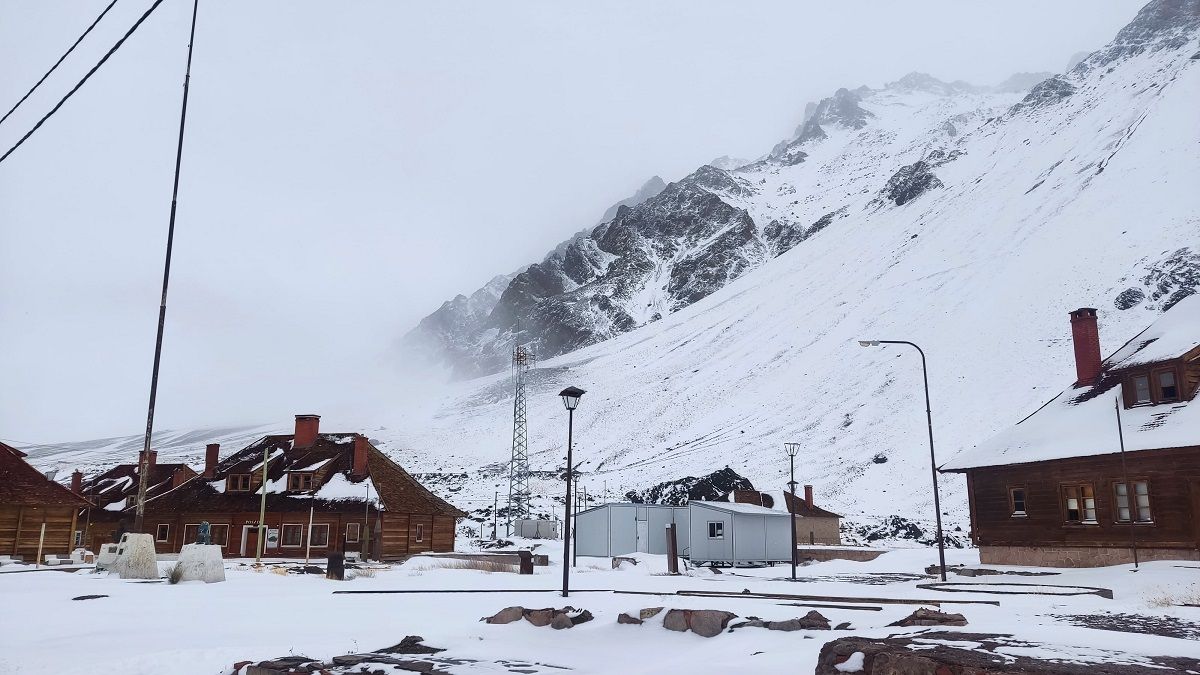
(107, 556)
(202, 562)
(136, 558)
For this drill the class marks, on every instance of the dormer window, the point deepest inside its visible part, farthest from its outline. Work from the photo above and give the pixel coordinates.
(239, 482)
(1167, 389)
(1141, 389)
(300, 481)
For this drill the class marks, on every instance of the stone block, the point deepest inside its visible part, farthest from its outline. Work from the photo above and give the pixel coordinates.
(202, 562)
(135, 557)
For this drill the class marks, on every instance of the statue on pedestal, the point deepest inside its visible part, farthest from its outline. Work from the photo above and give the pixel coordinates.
(204, 533)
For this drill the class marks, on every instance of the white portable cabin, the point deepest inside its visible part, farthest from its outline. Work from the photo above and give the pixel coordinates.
(726, 533)
(623, 528)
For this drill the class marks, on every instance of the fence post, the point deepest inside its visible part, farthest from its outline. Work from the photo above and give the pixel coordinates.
(672, 550)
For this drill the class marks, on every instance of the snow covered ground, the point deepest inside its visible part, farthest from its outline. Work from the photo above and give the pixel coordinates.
(200, 629)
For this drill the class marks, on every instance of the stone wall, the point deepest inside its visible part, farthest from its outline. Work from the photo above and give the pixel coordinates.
(824, 531)
(820, 554)
(1077, 556)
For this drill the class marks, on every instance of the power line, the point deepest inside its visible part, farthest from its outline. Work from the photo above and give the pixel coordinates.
(91, 72)
(59, 61)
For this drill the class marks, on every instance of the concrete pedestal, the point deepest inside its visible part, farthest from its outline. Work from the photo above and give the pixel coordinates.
(202, 562)
(136, 558)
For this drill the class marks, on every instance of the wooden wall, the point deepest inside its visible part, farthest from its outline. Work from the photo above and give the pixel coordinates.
(21, 526)
(1174, 484)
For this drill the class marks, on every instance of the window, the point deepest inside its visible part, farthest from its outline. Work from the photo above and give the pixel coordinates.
(239, 482)
(1016, 499)
(420, 533)
(78, 537)
(352, 530)
(716, 529)
(218, 533)
(163, 532)
(1137, 511)
(300, 482)
(1079, 504)
(291, 535)
(1167, 391)
(320, 535)
(1141, 389)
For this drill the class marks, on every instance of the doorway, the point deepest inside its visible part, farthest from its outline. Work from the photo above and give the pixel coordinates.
(643, 536)
(249, 541)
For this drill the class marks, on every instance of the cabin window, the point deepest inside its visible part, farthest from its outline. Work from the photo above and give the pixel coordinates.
(716, 529)
(1141, 389)
(352, 533)
(420, 536)
(218, 533)
(78, 537)
(1079, 503)
(1136, 509)
(300, 482)
(320, 535)
(163, 533)
(239, 482)
(1167, 390)
(291, 535)
(1016, 500)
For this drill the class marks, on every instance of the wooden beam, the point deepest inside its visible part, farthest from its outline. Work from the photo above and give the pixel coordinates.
(20, 522)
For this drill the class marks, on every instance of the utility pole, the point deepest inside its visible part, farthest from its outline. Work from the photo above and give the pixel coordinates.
(518, 468)
(1130, 490)
(495, 516)
(144, 460)
(262, 509)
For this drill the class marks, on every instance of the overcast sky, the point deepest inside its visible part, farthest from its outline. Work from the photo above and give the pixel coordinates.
(349, 166)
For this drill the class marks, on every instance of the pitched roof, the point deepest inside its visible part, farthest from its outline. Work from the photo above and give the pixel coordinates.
(330, 458)
(1082, 422)
(733, 507)
(118, 484)
(23, 485)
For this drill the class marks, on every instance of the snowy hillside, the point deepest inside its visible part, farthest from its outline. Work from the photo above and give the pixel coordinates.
(969, 221)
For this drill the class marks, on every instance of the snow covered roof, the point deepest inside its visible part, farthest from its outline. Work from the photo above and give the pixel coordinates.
(21, 484)
(732, 507)
(1082, 422)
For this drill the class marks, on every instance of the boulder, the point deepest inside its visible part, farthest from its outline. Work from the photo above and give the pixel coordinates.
(411, 644)
(202, 562)
(649, 612)
(931, 617)
(702, 622)
(625, 618)
(540, 617)
(811, 621)
(506, 615)
(561, 621)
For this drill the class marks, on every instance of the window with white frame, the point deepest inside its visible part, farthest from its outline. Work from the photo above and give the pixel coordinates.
(420, 533)
(78, 537)
(716, 529)
(352, 533)
(1137, 509)
(1016, 500)
(291, 536)
(239, 482)
(1141, 389)
(1167, 389)
(1079, 504)
(162, 532)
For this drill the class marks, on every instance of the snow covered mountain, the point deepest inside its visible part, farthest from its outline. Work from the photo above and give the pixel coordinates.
(718, 319)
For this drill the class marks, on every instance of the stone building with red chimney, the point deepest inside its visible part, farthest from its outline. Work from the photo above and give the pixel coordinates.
(324, 492)
(814, 525)
(1109, 467)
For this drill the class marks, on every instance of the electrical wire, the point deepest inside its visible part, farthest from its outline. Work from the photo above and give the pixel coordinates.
(79, 84)
(59, 61)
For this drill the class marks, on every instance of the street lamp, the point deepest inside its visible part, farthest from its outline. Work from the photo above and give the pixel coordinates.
(792, 449)
(570, 397)
(937, 503)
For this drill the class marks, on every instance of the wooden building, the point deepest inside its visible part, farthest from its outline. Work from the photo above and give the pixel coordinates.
(116, 489)
(358, 498)
(34, 509)
(1056, 489)
(814, 525)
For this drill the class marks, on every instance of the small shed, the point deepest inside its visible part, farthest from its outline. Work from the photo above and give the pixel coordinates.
(622, 528)
(728, 533)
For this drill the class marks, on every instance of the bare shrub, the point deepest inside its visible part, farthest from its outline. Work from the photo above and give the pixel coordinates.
(365, 572)
(1175, 597)
(176, 574)
(486, 566)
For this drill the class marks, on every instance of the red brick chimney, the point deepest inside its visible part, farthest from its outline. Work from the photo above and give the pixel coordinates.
(151, 459)
(808, 498)
(212, 452)
(77, 482)
(1086, 337)
(307, 428)
(359, 468)
(179, 477)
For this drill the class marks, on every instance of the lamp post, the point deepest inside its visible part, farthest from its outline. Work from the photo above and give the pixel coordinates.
(570, 397)
(937, 503)
(791, 449)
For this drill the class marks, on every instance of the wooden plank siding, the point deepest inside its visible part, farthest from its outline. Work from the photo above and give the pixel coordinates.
(1173, 507)
(21, 526)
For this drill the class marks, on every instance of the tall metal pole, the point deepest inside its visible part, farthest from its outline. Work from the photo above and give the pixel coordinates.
(792, 514)
(567, 504)
(308, 538)
(1130, 490)
(262, 510)
(937, 502)
(495, 516)
(143, 461)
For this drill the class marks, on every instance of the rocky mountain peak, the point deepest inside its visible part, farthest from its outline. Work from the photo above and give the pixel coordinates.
(925, 82)
(1160, 24)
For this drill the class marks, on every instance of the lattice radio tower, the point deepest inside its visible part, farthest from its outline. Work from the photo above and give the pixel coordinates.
(518, 468)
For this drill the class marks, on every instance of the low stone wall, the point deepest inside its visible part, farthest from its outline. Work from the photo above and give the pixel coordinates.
(821, 554)
(1077, 556)
(502, 557)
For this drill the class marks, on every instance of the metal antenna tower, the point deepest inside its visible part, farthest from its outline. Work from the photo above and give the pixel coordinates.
(518, 468)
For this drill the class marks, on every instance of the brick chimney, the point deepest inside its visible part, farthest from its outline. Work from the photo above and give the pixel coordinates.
(151, 460)
(179, 477)
(212, 452)
(77, 482)
(1086, 337)
(359, 468)
(808, 498)
(307, 428)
